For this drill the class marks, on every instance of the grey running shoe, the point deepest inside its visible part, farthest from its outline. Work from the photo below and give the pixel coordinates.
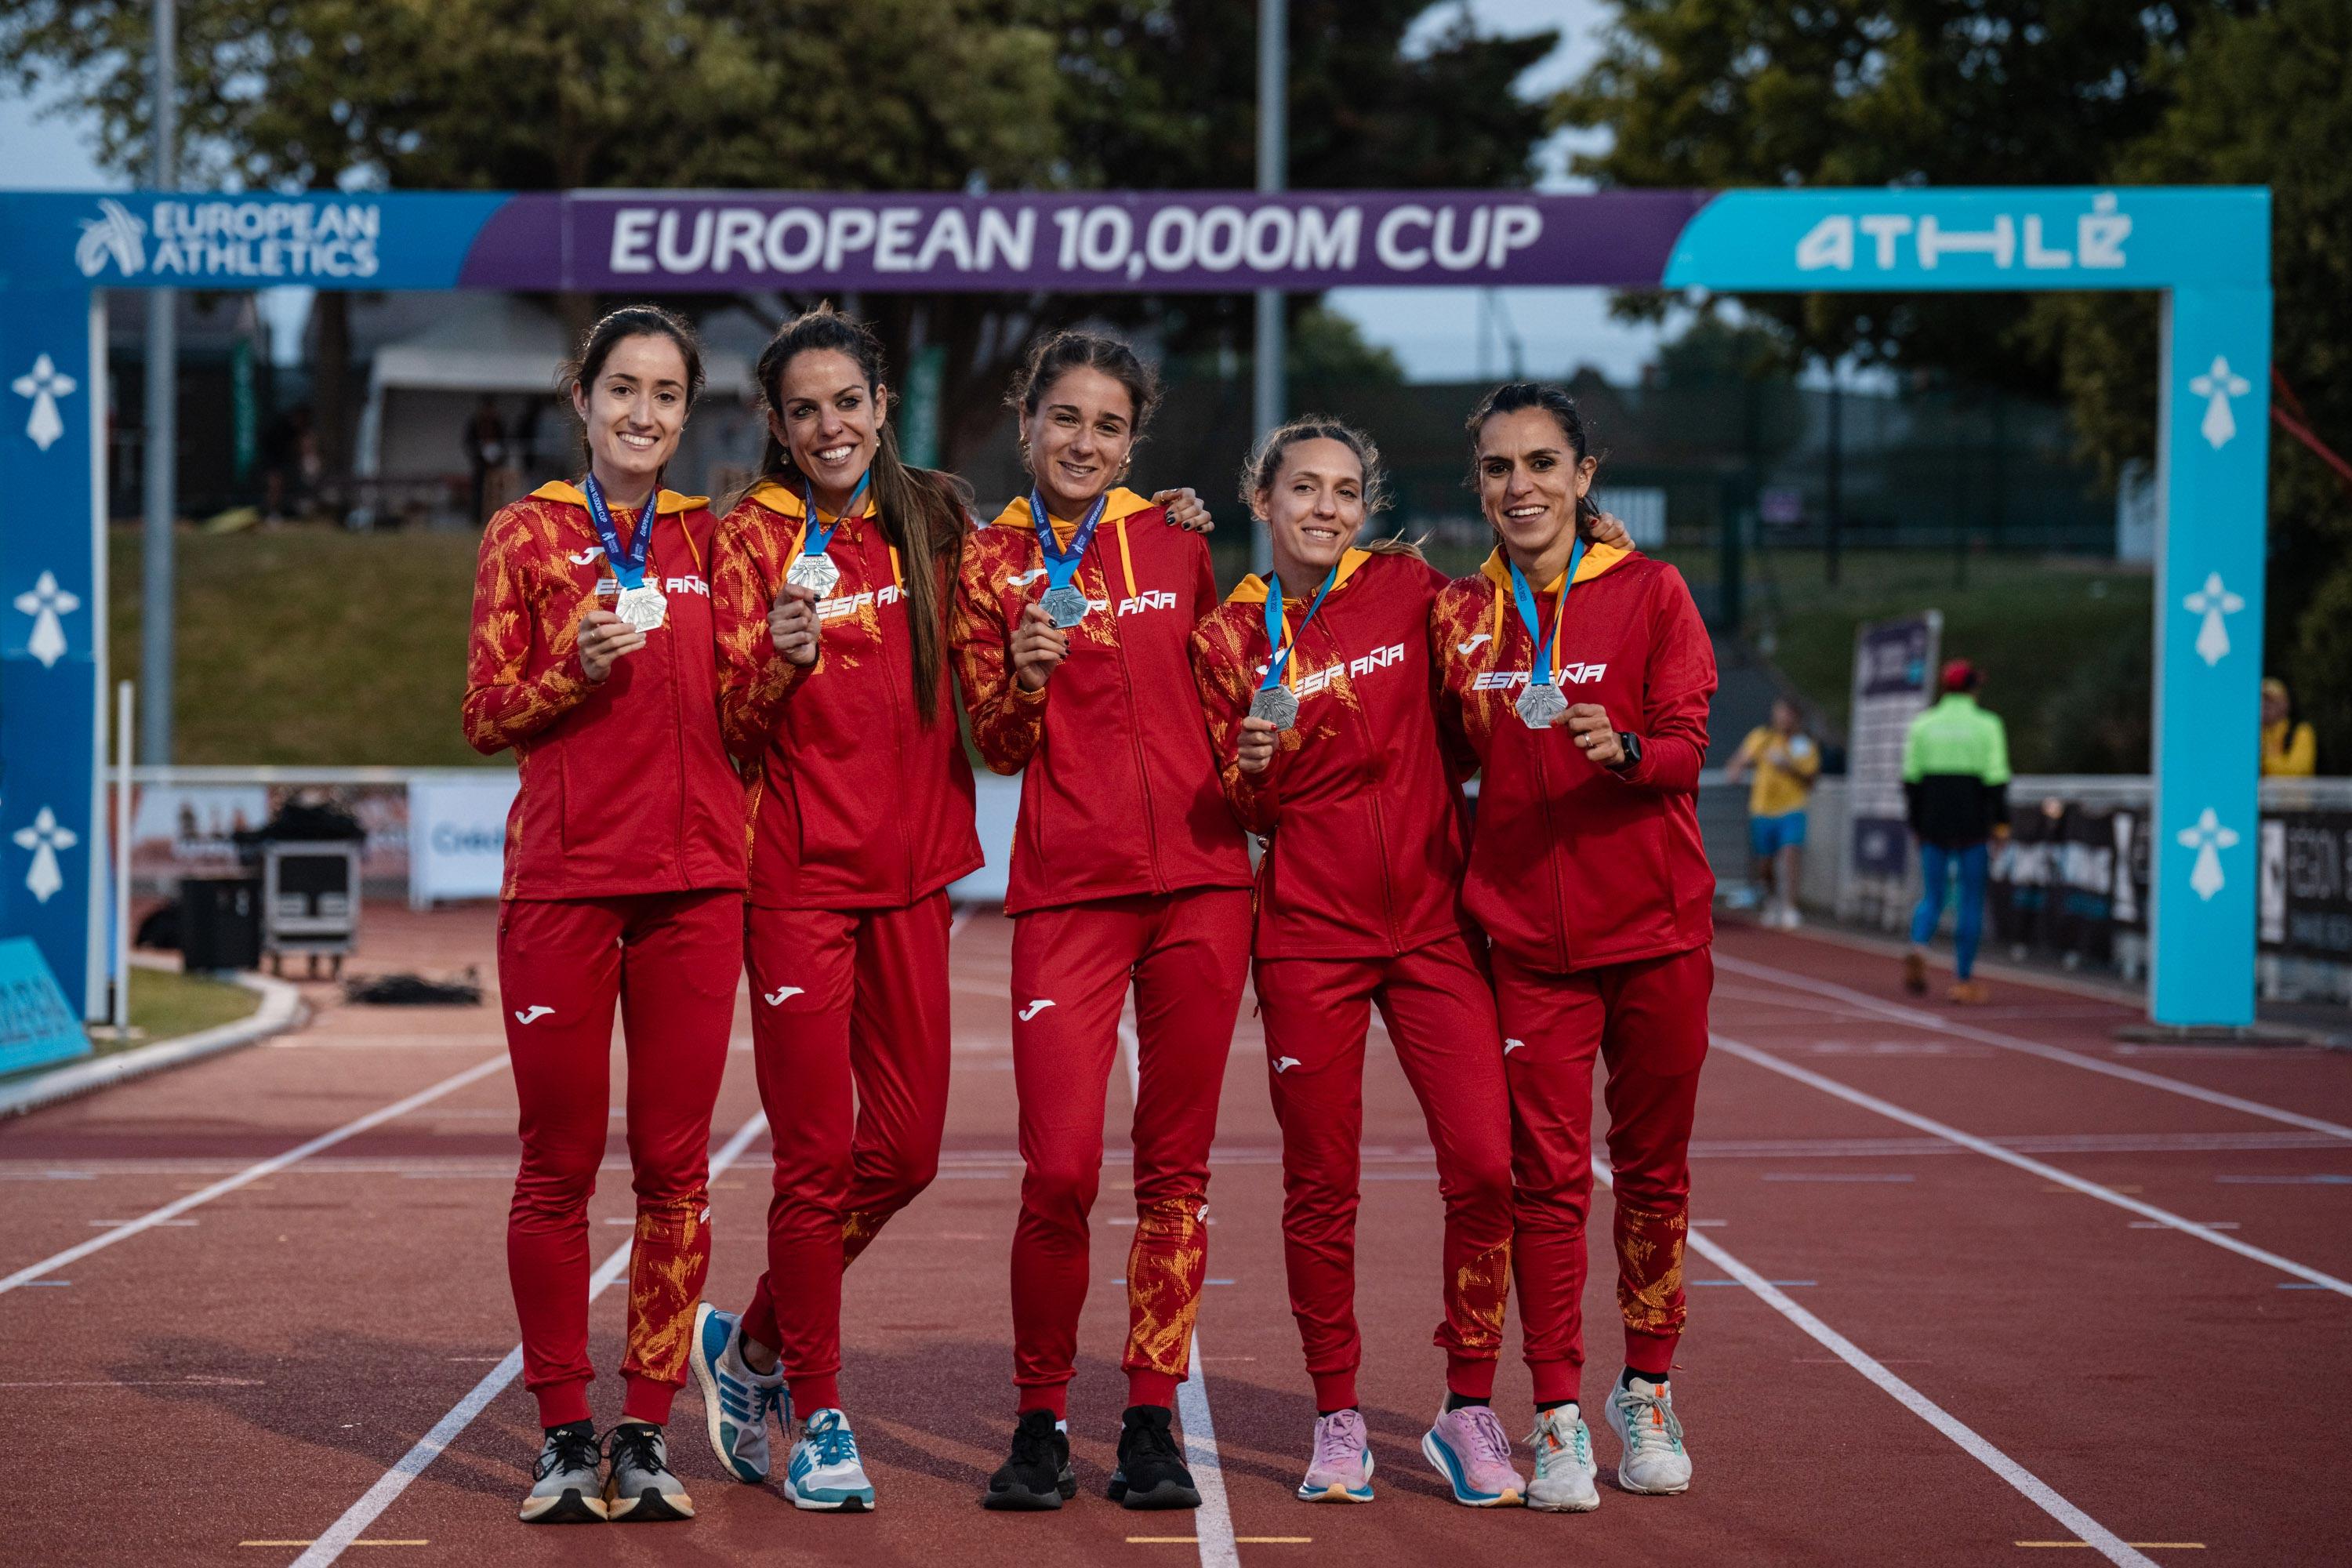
(564, 1485)
(639, 1486)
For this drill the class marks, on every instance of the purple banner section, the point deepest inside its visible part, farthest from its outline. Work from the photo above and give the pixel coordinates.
(1103, 243)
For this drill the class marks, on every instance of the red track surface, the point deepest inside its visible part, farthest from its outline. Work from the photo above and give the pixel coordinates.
(247, 1377)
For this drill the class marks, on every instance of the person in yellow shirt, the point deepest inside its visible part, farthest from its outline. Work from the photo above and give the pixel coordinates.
(1785, 762)
(2290, 750)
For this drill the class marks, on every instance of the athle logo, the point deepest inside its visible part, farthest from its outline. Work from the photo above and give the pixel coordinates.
(1569, 675)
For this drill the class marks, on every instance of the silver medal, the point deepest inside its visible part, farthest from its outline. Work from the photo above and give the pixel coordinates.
(1066, 605)
(1541, 706)
(642, 607)
(817, 573)
(1277, 705)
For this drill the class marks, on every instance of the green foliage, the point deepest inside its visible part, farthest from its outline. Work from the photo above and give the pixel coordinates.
(2262, 99)
(1865, 92)
(1326, 346)
(311, 647)
(883, 95)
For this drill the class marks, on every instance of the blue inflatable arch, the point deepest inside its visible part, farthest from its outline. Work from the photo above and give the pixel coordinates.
(2206, 250)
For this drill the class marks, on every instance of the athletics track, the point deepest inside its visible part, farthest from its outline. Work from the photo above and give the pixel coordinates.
(1968, 1288)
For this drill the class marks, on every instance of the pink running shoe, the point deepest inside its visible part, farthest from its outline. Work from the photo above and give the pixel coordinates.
(1342, 1470)
(1470, 1450)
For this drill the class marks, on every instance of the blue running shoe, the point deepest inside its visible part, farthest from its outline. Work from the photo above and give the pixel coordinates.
(736, 1401)
(824, 1474)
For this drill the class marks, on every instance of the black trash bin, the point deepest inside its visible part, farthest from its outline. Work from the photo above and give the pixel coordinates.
(220, 924)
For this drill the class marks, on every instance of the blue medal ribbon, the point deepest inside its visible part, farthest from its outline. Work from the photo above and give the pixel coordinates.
(628, 565)
(1541, 674)
(1279, 653)
(818, 542)
(1060, 565)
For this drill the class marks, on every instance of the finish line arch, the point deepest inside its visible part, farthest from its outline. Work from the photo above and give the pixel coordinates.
(2206, 250)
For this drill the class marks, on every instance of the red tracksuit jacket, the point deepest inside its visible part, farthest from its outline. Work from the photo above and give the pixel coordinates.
(1119, 790)
(1572, 866)
(1366, 826)
(626, 785)
(856, 802)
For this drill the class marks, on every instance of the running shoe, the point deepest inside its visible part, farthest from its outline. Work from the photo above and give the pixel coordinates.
(566, 1488)
(1037, 1476)
(736, 1401)
(1470, 1450)
(1642, 1414)
(1915, 973)
(1969, 993)
(1564, 1468)
(1152, 1472)
(1341, 1470)
(639, 1486)
(823, 1474)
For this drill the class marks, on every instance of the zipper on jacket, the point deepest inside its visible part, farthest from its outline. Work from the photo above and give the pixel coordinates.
(1134, 726)
(676, 697)
(1380, 822)
(902, 714)
(1551, 853)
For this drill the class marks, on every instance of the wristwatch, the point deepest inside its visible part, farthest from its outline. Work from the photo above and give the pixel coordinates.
(1632, 744)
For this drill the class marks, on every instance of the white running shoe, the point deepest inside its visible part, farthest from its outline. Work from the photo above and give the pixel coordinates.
(1642, 1414)
(736, 1401)
(824, 1474)
(1564, 1468)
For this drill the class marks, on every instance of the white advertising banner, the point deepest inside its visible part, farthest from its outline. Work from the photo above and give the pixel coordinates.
(457, 837)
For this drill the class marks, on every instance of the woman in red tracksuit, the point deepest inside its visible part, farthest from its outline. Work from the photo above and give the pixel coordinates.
(1126, 864)
(1581, 678)
(832, 633)
(592, 655)
(1366, 837)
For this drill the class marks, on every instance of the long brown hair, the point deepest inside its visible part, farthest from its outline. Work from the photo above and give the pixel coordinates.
(923, 512)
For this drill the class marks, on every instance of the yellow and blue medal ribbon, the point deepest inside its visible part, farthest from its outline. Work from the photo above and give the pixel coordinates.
(1063, 601)
(812, 568)
(1541, 704)
(1274, 701)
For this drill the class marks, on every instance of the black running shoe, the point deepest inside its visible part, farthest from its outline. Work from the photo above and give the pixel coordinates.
(1152, 1472)
(638, 1487)
(565, 1485)
(1037, 1476)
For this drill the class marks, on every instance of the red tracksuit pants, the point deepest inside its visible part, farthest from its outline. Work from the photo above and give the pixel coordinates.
(1440, 1015)
(670, 961)
(849, 1035)
(1185, 953)
(1647, 1021)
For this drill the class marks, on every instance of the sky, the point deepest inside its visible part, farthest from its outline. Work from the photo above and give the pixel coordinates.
(1439, 334)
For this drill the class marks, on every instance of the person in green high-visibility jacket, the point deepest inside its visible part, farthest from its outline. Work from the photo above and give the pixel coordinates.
(1956, 793)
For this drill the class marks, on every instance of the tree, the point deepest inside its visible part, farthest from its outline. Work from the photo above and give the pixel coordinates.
(2262, 99)
(926, 95)
(1866, 92)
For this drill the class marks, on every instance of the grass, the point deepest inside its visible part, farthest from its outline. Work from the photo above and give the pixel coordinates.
(2062, 641)
(311, 645)
(164, 1004)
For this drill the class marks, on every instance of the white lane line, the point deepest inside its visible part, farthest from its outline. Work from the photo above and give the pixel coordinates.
(345, 1531)
(276, 1163)
(1918, 1019)
(1992, 1150)
(2028, 1485)
(1213, 1520)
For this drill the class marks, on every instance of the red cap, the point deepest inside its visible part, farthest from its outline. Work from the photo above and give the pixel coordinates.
(1959, 675)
